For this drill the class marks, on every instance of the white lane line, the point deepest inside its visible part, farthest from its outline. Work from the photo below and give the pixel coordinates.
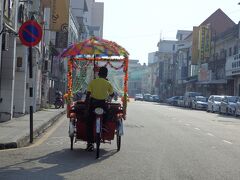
(187, 124)
(197, 129)
(210, 134)
(228, 142)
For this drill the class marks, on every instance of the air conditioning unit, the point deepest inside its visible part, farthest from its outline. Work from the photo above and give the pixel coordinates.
(5, 41)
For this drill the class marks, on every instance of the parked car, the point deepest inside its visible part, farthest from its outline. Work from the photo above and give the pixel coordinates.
(155, 98)
(138, 97)
(188, 97)
(228, 105)
(214, 103)
(147, 97)
(200, 102)
(173, 100)
(237, 112)
(151, 98)
(180, 101)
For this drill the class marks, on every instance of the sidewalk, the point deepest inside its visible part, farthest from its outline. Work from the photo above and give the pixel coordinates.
(15, 133)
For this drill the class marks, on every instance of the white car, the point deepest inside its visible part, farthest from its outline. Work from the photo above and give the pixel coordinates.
(228, 105)
(200, 102)
(138, 97)
(237, 112)
(180, 101)
(214, 102)
(188, 97)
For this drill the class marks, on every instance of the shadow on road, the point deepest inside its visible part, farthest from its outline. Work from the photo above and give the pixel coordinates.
(53, 165)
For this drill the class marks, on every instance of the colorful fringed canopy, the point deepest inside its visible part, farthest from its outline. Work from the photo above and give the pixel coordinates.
(95, 46)
(96, 49)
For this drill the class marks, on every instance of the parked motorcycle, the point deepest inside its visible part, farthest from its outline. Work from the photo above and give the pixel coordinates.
(59, 103)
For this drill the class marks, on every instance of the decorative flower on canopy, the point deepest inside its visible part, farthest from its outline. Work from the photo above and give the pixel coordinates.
(95, 46)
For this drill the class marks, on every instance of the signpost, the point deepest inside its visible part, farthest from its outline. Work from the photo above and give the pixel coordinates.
(30, 34)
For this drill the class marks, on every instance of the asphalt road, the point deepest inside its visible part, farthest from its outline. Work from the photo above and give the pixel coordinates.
(160, 142)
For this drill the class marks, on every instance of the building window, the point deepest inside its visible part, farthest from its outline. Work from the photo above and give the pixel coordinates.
(8, 9)
(230, 52)
(235, 50)
(19, 62)
(181, 37)
(46, 65)
(21, 18)
(173, 48)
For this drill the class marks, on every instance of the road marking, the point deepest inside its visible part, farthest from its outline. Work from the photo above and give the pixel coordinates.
(228, 142)
(197, 129)
(210, 134)
(187, 124)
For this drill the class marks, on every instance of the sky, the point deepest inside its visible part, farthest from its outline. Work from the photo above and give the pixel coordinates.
(138, 25)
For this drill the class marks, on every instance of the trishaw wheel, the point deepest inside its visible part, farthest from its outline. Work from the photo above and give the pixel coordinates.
(71, 140)
(118, 142)
(98, 138)
(118, 134)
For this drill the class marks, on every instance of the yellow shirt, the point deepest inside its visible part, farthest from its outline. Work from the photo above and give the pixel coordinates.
(100, 88)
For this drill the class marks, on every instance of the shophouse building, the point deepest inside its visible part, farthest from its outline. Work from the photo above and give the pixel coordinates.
(232, 66)
(152, 57)
(49, 71)
(181, 62)
(146, 81)
(9, 29)
(211, 61)
(163, 72)
(134, 77)
(201, 56)
(95, 16)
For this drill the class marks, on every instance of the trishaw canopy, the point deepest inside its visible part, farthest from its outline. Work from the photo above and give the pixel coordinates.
(95, 46)
(96, 49)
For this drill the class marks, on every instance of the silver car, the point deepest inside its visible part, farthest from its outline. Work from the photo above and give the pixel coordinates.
(237, 112)
(214, 103)
(228, 105)
(138, 97)
(180, 101)
(200, 102)
(188, 97)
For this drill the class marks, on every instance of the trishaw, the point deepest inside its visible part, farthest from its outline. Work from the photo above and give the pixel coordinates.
(95, 50)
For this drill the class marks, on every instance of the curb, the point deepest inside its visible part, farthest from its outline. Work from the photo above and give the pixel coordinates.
(24, 140)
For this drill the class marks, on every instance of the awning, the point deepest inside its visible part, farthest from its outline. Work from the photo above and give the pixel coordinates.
(189, 81)
(217, 81)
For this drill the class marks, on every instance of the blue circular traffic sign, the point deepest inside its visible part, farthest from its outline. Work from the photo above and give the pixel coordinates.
(30, 33)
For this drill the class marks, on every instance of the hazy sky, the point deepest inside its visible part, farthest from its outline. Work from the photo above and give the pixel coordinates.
(137, 25)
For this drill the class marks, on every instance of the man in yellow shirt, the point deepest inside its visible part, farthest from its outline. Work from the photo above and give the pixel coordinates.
(98, 91)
